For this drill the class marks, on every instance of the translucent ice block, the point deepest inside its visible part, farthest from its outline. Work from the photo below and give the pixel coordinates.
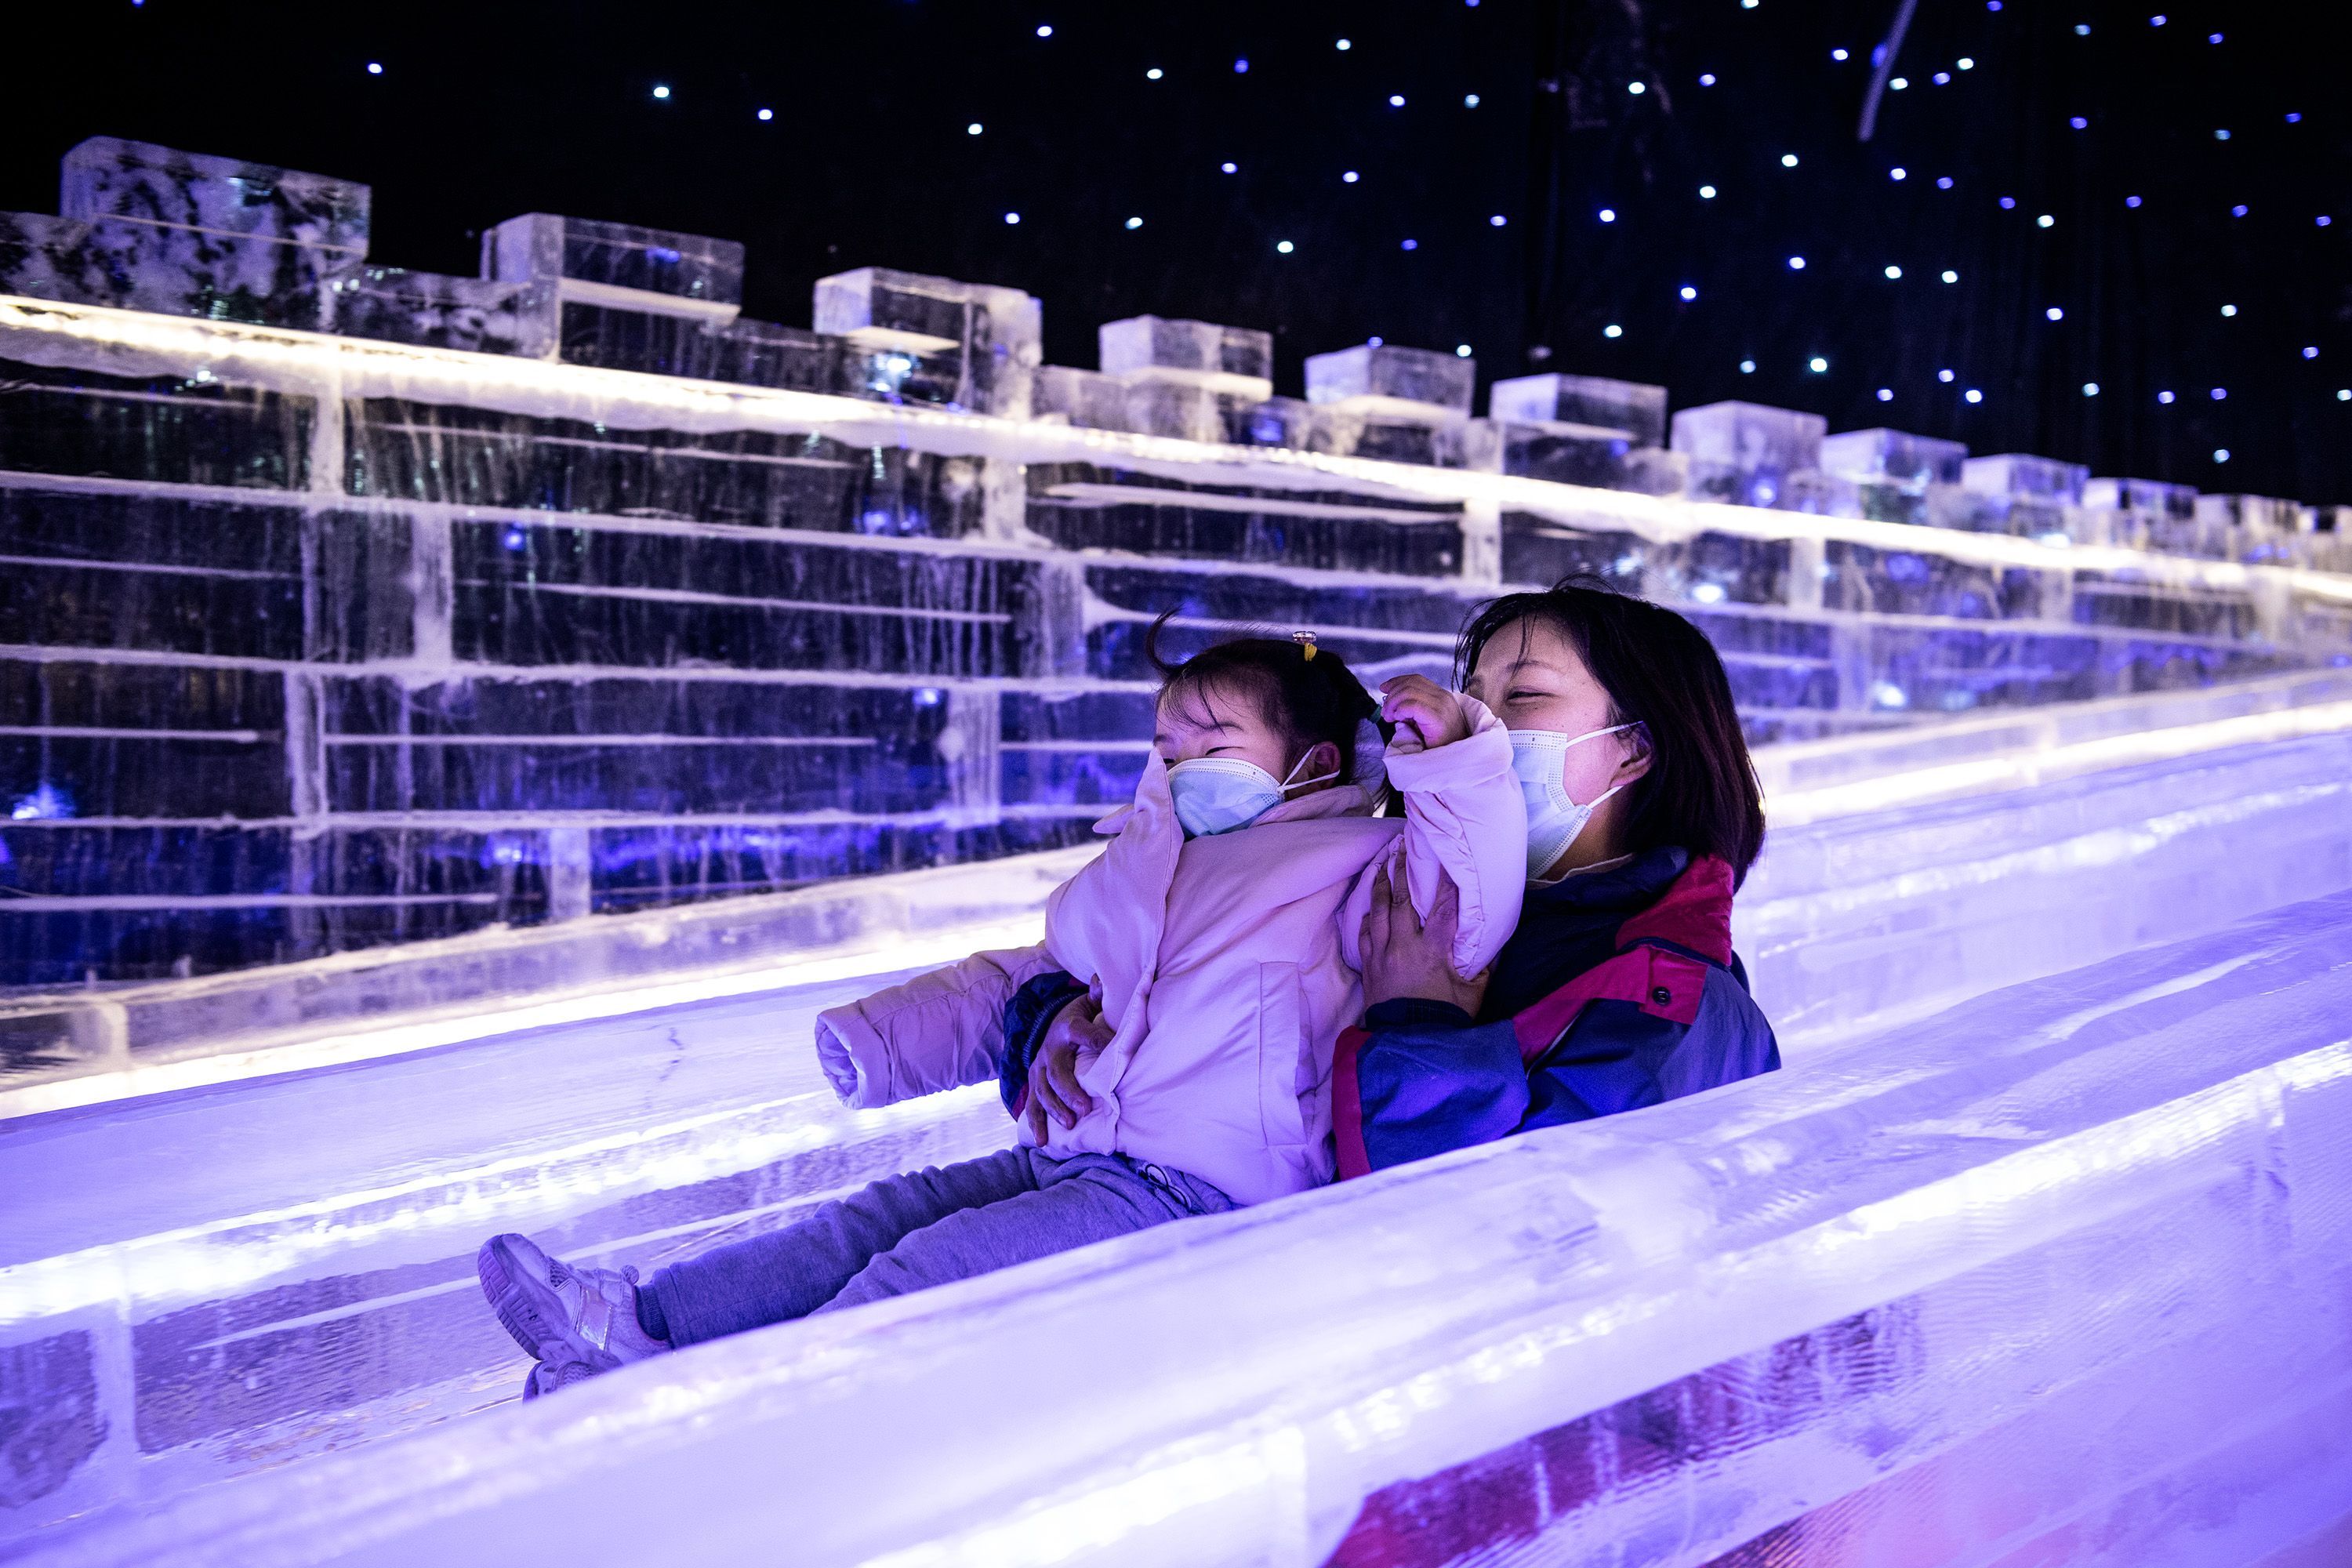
(1384, 377)
(177, 270)
(1565, 453)
(994, 332)
(481, 315)
(2022, 477)
(1639, 411)
(1391, 430)
(1915, 461)
(1746, 453)
(1236, 360)
(614, 255)
(137, 182)
(1086, 398)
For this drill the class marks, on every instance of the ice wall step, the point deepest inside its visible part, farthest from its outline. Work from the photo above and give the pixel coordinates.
(1781, 1308)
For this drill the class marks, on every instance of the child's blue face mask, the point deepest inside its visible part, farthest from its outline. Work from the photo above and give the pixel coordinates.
(1218, 795)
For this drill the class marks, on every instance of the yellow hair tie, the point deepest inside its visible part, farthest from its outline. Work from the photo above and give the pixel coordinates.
(1306, 641)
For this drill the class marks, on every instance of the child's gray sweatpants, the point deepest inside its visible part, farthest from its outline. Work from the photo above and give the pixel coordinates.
(923, 1228)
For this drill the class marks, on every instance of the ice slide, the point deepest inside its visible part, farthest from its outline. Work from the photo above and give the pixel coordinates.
(203, 1286)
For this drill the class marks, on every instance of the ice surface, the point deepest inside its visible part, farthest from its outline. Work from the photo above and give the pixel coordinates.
(1089, 399)
(1912, 461)
(1636, 410)
(2025, 478)
(1237, 360)
(2064, 1264)
(1382, 378)
(480, 315)
(1563, 452)
(992, 332)
(171, 269)
(107, 179)
(544, 247)
(1747, 453)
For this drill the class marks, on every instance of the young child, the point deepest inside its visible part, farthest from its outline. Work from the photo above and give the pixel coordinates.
(1216, 934)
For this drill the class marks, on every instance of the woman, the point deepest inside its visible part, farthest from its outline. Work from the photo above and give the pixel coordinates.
(1618, 988)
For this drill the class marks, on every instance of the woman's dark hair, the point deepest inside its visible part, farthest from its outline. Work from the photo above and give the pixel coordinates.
(1660, 671)
(1304, 699)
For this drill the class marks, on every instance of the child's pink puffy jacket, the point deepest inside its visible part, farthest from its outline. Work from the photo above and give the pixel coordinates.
(1226, 966)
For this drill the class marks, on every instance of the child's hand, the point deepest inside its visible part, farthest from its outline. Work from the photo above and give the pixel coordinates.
(1076, 1034)
(1425, 714)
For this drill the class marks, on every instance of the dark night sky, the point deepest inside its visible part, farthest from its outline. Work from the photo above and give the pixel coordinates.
(483, 112)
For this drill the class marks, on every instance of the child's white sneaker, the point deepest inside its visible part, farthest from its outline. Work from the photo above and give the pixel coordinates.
(575, 1322)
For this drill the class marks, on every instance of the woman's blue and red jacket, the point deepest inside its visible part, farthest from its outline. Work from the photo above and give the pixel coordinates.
(1618, 990)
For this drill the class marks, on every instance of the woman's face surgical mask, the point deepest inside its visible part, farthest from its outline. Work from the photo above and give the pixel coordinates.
(1218, 795)
(1539, 758)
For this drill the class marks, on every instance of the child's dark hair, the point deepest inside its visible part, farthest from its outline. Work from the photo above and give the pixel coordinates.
(1660, 671)
(1304, 693)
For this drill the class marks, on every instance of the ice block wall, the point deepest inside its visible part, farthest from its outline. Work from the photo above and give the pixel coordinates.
(351, 606)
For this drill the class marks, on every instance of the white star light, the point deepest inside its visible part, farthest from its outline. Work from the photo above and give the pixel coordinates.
(1944, 375)
(1348, 178)
(1396, 100)
(1817, 364)
(1608, 214)
(1886, 394)
(1706, 79)
(973, 129)
(1497, 221)
(1788, 160)
(1135, 223)
(1892, 273)
(2054, 313)
(2045, 221)
(1284, 246)
(1689, 293)
(1462, 350)
(1011, 217)
(1045, 32)
(1226, 168)
(1899, 83)
(2221, 454)
(1470, 100)
(767, 114)
(1343, 45)
(1707, 194)
(2229, 310)
(1153, 75)
(1973, 395)
(1965, 63)
(1636, 88)
(2164, 397)
(1950, 277)
(1613, 331)
(2090, 389)
(1748, 367)
(661, 92)
(376, 67)
(1796, 264)
(1898, 173)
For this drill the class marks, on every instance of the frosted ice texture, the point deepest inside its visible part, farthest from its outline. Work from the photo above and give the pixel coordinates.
(1636, 410)
(1912, 461)
(1157, 347)
(106, 178)
(1393, 379)
(620, 255)
(1090, 399)
(475, 314)
(2022, 476)
(1747, 453)
(1564, 453)
(991, 334)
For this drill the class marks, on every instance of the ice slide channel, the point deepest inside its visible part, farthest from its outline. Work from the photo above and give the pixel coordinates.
(2063, 1274)
(198, 1285)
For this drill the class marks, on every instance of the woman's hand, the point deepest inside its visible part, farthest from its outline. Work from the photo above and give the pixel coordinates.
(1076, 1034)
(1405, 955)
(1425, 714)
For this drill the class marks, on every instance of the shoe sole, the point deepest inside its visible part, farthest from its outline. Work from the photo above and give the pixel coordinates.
(513, 1282)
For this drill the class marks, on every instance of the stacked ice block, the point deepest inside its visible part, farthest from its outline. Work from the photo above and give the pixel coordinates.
(1194, 381)
(1584, 430)
(1748, 454)
(1896, 477)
